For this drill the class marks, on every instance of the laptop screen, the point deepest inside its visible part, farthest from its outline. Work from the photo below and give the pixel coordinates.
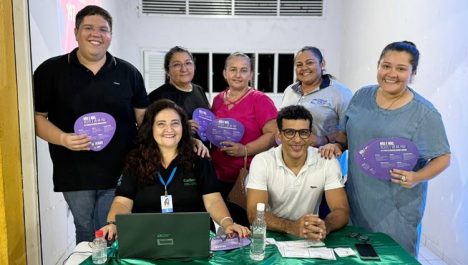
(163, 235)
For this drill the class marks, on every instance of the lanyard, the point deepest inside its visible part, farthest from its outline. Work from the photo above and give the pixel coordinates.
(168, 181)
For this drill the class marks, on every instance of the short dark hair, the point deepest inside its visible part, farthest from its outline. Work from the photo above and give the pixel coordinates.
(293, 112)
(145, 159)
(92, 10)
(403, 46)
(170, 54)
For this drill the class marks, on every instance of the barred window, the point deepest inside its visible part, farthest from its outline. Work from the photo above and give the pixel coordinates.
(272, 72)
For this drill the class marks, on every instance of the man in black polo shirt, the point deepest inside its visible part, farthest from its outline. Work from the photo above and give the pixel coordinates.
(89, 79)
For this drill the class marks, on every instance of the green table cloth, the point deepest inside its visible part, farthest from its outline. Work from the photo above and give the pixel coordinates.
(389, 252)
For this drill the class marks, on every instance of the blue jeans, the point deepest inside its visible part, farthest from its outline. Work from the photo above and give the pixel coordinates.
(89, 209)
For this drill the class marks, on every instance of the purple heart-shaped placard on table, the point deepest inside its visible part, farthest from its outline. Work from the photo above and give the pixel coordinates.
(99, 126)
(222, 243)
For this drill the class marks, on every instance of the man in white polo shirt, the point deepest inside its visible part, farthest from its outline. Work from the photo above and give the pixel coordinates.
(291, 179)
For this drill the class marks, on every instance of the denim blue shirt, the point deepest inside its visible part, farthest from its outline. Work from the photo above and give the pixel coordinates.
(380, 205)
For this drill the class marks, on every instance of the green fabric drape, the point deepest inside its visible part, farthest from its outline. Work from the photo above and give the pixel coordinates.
(389, 251)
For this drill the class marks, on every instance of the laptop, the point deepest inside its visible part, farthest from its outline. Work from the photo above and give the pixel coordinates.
(163, 235)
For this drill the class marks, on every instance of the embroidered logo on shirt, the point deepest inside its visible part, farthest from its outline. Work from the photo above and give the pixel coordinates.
(190, 182)
(116, 83)
(319, 101)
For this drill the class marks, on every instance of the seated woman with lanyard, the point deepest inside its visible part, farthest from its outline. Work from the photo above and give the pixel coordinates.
(162, 174)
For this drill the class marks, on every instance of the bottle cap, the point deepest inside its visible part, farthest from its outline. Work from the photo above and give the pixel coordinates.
(99, 233)
(260, 207)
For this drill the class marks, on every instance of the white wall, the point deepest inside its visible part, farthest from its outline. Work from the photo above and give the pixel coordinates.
(57, 230)
(439, 30)
(351, 35)
(134, 32)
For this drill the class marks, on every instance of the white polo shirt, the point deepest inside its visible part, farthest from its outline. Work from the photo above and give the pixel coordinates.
(291, 196)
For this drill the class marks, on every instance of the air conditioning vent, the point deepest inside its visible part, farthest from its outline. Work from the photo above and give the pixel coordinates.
(224, 8)
(301, 8)
(174, 7)
(256, 8)
(214, 7)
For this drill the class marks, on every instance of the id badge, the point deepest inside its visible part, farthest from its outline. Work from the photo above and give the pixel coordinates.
(166, 204)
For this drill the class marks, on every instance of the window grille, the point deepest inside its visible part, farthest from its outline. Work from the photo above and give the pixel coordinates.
(272, 72)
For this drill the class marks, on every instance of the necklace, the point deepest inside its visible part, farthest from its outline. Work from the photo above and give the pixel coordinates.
(227, 101)
(393, 101)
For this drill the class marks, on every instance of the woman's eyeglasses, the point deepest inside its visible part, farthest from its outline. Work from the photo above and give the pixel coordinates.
(290, 133)
(178, 65)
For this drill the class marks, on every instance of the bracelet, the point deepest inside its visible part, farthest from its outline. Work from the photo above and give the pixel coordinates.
(110, 223)
(224, 218)
(328, 139)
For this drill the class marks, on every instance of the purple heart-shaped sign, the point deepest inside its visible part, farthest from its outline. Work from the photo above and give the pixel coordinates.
(225, 129)
(203, 117)
(224, 243)
(378, 156)
(99, 126)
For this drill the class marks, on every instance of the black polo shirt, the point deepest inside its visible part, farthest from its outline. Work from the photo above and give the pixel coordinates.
(187, 187)
(66, 90)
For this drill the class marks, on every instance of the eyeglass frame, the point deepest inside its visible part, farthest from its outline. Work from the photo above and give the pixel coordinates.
(178, 65)
(284, 132)
(91, 28)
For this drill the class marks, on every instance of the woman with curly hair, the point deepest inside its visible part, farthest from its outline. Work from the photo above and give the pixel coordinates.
(162, 174)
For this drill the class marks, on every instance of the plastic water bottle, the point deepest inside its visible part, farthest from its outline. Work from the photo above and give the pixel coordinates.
(99, 247)
(257, 246)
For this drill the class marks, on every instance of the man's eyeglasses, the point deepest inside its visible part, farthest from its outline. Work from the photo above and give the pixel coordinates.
(178, 66)
(90, 28)
(290, 133)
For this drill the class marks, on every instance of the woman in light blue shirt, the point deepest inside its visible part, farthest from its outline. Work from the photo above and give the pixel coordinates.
(392, 109)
